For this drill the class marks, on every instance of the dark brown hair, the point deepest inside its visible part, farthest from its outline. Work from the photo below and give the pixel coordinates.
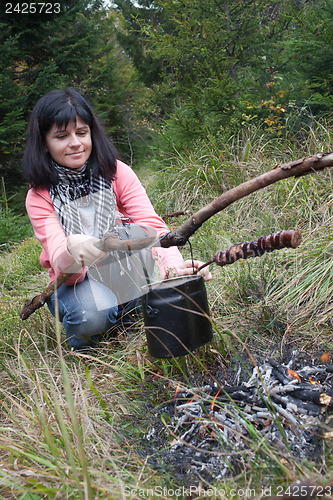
(59, 107)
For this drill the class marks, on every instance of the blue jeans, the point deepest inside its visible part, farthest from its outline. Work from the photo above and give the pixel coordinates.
(86, 310)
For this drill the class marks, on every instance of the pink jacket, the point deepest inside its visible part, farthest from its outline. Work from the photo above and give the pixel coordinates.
(132, 202)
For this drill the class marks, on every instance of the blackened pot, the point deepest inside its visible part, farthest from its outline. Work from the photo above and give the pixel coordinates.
(176, 316)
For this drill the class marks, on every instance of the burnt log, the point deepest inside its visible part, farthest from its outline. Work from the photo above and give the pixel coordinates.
(317, 396)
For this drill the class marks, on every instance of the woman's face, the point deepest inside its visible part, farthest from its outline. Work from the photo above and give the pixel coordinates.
(69, 147)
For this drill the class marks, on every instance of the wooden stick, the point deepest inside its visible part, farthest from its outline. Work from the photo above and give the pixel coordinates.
(281, 239)
(180, 236)
(178, 213)
(295, 168)
(32, 305)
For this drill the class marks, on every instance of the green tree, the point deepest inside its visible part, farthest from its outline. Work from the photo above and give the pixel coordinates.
(40, 51)
(116, 90)
(133, 39)
(309, 56)
(214, 56)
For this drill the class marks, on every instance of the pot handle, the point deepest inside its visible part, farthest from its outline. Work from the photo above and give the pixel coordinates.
(152, 312)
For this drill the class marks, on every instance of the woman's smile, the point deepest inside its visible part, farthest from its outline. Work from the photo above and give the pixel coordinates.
(77, 154)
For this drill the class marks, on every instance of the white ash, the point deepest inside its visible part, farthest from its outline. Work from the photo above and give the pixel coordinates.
(218, 432)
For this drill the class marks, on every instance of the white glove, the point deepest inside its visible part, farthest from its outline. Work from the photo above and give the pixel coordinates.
(83, 249)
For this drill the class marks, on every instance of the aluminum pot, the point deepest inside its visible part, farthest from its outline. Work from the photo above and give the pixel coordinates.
(176, 316)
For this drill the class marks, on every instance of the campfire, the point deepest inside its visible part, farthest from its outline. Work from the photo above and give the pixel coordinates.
(219, 431)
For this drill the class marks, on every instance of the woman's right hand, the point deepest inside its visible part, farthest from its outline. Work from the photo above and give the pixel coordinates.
(83, 249)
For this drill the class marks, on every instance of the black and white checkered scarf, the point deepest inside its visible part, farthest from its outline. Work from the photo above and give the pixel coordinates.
(77, 189)
(83, 201)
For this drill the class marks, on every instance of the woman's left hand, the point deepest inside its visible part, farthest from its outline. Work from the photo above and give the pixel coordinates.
(187, 268)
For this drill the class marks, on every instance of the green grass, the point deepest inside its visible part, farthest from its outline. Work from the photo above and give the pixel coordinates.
(74, 426)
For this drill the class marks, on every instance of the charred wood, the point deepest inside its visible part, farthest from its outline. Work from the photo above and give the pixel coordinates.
(319, 397)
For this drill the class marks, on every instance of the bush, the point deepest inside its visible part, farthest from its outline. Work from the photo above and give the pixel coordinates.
(13, 228)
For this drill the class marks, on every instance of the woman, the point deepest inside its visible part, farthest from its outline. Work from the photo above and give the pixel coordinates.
(80, 191)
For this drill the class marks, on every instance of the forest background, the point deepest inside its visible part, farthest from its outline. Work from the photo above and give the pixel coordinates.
(166, 74)
(198, 96)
